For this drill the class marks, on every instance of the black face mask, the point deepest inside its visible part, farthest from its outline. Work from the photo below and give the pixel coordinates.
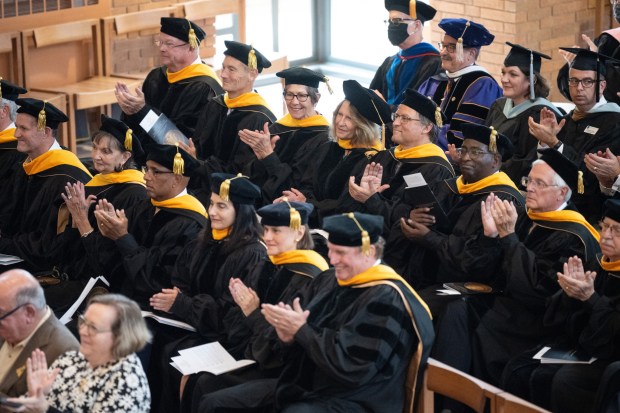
(397, 33)
(616, 9)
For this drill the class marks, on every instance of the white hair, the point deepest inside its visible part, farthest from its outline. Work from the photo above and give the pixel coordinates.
(557, 179)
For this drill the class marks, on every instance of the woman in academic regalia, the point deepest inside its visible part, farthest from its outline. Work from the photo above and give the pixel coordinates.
(357, 130)
(119, 181)
(289, 269)
(525, 93)
(297, 136)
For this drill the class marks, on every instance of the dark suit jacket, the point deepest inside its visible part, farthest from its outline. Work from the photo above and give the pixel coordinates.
(53, 338)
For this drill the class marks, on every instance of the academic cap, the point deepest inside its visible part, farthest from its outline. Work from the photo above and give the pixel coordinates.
(286, 214)
(467, 33)
(354, 229)
(567, 170)
(424, 106)
(45, 113)
(586, 59)
(247, 55)
(238, 189)
(174, 158)
(182, 29)
(122, 133)
(497, 142)
(525, 58)
(611, 209)
(416, 9)
(9, 91)
(303, 76)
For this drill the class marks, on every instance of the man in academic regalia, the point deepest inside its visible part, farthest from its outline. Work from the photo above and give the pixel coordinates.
(179, 89)
(33, 222)
(10, 157)
(217, 142)
(531, 249)
(469, 90)
(354, 346)
(415, 130)
(592, 127)
(432, 249)
(416, 60)
(138, 248)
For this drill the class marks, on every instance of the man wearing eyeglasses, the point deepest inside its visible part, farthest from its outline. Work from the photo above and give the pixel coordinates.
(26, 323)
(590, 129)
(529, 251)
(416, 60)
(179, 88)
(469, 90)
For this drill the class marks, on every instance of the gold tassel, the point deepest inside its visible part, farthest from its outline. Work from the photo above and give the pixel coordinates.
(460, 55)
(225, 190)
(42, 119)
(438, 120)
(493, 141)
(329, 88)
(412, 10)
(365, 234)
(580, 187)
(193, 40)
(129, 140)
(252, 63)
(178, 165)
(295, 218)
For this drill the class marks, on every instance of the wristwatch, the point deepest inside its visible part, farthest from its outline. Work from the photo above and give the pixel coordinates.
(558, 145)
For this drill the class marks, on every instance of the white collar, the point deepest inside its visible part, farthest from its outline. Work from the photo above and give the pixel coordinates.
(469, 69)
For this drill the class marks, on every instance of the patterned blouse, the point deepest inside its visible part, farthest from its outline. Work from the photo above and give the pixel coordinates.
(118, 386)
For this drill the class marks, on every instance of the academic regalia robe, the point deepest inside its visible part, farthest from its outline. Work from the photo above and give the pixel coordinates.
(181, 101)
(32, 227)
(464, 98)
(512, 121)
(10, 163)
(407, 69)
(597, 131)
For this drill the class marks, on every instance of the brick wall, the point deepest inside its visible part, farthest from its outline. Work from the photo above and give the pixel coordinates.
(542, 25)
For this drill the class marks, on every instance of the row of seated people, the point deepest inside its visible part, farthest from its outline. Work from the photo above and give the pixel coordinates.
(140, 225)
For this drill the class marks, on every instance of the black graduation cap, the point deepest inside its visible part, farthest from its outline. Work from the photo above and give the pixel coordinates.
(174, 158)
(586, 59)
(525, 58)
(568, 170)
(354, 229)
(611, 209)
(424, 106)
(122, 133)
(286, 214)
(302, 76)
(467, 33)
(367, 102)
(416, 9)
(497, 142)
(182, 29)
(247, 55)
(45, 113)
(238, 189)
(9, 91)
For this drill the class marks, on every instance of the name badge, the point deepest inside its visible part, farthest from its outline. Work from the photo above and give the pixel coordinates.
(591, 130)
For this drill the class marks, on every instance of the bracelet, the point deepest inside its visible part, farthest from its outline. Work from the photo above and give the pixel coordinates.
(558, 145)
(87, 233)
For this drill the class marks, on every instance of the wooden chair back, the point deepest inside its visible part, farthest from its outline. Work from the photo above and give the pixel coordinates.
(509, 403)
(11, 60)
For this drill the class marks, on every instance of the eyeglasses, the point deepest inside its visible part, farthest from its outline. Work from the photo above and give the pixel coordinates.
(397, 20)
(90, 327)
(301, 97)
(403, 119)
(536, 183)
(154, 172)
(10, 313)
(473, 153)
(586, 83)
(614, 229)
(168, 45)
(450, 47)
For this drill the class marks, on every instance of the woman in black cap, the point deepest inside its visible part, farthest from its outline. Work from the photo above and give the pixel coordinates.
(290, 267)
(230, 246)
(113, 152)
(525, 93)
(297, 135)
(358, 131)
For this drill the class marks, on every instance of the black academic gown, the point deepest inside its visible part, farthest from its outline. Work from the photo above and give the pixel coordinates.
(597, 131)
(141, 263)
(182, 101)
(10, 164)
(389, 203)
(513, 122)
(32, 227)
(294, 154)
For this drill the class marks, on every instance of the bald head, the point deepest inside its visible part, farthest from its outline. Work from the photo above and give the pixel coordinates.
(22, 305)
(21, 287)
